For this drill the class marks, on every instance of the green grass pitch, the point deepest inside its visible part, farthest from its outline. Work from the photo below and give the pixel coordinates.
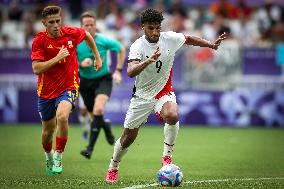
(206, 156)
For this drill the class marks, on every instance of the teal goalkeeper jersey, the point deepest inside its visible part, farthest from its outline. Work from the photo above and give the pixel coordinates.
(103, 44)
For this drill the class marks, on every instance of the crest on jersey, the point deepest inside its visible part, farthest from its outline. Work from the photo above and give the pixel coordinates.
(70, 45)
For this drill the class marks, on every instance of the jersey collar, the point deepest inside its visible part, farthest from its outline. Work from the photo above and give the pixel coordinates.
(61, 33)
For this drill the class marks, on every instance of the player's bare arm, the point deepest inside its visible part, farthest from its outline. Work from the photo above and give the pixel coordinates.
(135, 67)
(120, 61)
(196, 41)
(41, 66)
(91, 43)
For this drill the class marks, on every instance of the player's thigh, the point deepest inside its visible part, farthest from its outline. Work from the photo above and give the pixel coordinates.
(65, 103)
(46, 108)
(138, 112)
(100, 103)
(64, 108)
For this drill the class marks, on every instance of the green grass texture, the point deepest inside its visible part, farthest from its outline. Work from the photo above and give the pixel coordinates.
(209, 157)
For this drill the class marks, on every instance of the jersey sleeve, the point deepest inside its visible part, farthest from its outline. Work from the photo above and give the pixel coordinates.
(37, 49)
(178, 39)
(113, 45)
(134, 52)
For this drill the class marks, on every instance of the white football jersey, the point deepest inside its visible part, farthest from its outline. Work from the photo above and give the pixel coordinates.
(155, 76)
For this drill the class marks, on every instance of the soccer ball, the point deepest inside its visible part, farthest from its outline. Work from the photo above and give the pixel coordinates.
(170, 175)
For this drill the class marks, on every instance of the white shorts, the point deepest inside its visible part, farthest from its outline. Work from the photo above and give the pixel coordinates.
(140, 109)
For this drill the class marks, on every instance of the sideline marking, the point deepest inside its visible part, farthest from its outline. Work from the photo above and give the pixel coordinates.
(207, 181)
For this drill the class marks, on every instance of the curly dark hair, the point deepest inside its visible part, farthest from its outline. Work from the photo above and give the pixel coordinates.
(50, 10)
(151, 16)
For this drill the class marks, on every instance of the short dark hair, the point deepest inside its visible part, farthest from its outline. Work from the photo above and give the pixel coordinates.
(86, 15)
(151, 16)
(50, 10)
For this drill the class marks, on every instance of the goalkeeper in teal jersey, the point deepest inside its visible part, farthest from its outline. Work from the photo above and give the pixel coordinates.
(96, 86)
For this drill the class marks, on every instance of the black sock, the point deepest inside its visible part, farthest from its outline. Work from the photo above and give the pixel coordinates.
(96, 126)
(107, 128)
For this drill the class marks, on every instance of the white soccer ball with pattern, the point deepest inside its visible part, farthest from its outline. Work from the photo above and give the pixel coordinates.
(170, 175)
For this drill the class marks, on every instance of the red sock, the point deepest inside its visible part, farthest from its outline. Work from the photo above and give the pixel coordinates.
(47, 147)
(60, 144)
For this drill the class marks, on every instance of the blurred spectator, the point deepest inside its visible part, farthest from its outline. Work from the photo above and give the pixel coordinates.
(277, 32)
(103, 9)
(40, 4)
(30, 16)
(178, 16)
(30, 32)
(211, 27)
(5, 41)
(177, 23)
(160, 5)
(139, 4)
(227, 58)
(222, 7)
(225, 29)
(177, 9)
(242, 9)
(76, 8)
(268, 15)
(14, 11)
(202, 17)
(129, 32)
(245, 30)
(1, 19)
(115, 20)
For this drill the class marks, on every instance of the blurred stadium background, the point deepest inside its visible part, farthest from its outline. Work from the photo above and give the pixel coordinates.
(241, 84)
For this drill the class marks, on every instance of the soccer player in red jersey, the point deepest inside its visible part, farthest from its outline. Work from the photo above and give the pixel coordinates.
(54, 60)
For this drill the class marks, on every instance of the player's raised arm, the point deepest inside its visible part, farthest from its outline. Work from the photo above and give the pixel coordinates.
(196, 41)
(91, 43)
(41, 66)
(135, 67)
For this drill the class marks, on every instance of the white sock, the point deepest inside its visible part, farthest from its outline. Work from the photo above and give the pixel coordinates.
(84, 122)
(170, 133)
(118, 153)
(49, 155)
(57, 154)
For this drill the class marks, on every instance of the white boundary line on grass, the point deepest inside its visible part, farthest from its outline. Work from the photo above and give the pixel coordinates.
(207, 181)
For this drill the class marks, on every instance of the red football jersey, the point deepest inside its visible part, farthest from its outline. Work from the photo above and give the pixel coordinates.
(64, 75)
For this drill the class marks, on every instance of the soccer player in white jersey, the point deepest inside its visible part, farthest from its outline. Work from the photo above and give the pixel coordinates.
(150, 60)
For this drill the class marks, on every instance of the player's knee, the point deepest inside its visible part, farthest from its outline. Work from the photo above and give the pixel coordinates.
(98, 110)
(62, 117)
(171, 117)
